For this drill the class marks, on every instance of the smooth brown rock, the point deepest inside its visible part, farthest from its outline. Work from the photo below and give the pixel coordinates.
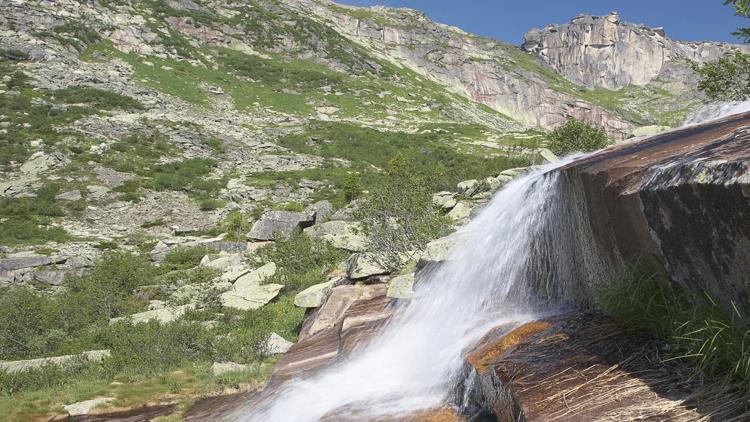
(350, 321)
(682, 197)
(585, 367)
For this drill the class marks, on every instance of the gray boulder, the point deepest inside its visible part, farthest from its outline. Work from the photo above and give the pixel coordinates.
(401, 287)
(320, 210)
(314, 296)
(340, 234)
(364, 265)
(281, 223)
(30, 261)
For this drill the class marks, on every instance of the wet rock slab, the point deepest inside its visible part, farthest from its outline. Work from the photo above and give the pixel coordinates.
(584, 367)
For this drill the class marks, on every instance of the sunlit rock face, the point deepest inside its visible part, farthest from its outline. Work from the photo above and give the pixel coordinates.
(605, 52)
(682, 197)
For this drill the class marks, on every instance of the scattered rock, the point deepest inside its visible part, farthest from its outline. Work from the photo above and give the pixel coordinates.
(314, 296)
(469, 187)
(163, 315)
(97, 192)
(401, 287)
(320, 211)
(438, 250)
(340, 234)
(444, 200)
(282, 223)
(219, 368)
(548, 155)
(247, 292)
(364, 265)
(222, 261)
(277, 345)
(73, 195)
(461, 212)
(23, 365)
(87, 406)
(252, 297)
(255, 277)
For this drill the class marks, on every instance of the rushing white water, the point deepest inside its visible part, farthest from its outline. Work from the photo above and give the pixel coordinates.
(489, 280)
(717, 111)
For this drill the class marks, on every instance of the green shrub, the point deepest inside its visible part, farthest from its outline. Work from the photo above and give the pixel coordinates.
(693, 325)
(13, 54)
(236, 226)
(26, 321)
(290, 206)
(187, 256)
(352, 187)
(577, 136)
(398, 216)
(726, 79)
(96, 98)
(209, 204)
(20, 231)
(300, 262)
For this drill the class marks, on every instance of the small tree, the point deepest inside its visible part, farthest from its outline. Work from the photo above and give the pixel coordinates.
(352, 187)
(577, 136)
(398, 216)
(726, 79)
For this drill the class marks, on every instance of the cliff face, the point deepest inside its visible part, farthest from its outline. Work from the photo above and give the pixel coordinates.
(560, 72)
(605, 52)
(683, 197)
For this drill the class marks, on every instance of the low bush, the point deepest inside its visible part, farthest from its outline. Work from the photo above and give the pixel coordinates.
(186, 256)
(96, 98)
(398, 216)
(13, 54)
(577, 136)
(301, 262)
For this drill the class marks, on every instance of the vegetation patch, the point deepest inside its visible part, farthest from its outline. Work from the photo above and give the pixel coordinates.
(577, 136)
(693, 327)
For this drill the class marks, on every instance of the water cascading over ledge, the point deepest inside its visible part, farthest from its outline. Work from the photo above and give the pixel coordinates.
(480, 335)
(683, 198)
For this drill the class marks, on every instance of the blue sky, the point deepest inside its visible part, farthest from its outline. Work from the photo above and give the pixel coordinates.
(508, 20)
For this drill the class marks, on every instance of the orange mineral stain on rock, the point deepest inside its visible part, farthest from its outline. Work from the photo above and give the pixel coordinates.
(485, 354)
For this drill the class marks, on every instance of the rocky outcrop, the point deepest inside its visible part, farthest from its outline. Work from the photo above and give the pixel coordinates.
(682, 197)
(576, 367)
(353, 317)
(280, 223)
(605, 52)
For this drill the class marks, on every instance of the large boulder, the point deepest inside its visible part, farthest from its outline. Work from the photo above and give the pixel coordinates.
(21, 261)
(320, 211)
(401, 287)
(680, 197)
(313, 296)
(340, 234)
(248, 293)
(364, 265)
(584, 367)
(280, 223)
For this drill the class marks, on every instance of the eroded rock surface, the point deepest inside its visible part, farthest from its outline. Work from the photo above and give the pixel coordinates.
(576, 367)
(682, 197)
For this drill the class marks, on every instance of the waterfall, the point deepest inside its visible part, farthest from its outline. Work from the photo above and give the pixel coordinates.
(522, 251)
